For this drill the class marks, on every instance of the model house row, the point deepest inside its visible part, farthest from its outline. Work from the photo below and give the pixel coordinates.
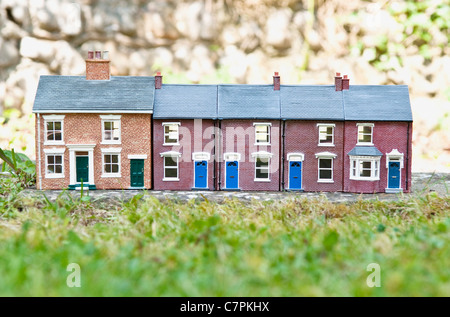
(112, 132)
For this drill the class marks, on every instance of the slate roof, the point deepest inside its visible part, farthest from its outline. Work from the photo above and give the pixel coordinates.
(76, 94)
(365, 151)
(377, 103)
(122, 94)
(186, 101)
(306, 102)
(248, 102)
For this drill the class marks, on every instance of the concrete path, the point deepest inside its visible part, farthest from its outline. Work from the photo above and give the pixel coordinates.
(421, 183)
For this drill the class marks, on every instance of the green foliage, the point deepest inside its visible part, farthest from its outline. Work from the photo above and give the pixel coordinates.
(297, 247)
(418, 21)
(19, 165)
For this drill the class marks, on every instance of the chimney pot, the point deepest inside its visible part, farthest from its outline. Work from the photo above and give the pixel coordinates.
(90, 54)
(276, 81)
(345, 83)
(338, 82)
(98, 54)
(105, 55)
(158, 80)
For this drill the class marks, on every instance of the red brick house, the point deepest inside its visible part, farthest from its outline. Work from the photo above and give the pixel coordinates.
(94, 130)
(113, 132)
(283, 137)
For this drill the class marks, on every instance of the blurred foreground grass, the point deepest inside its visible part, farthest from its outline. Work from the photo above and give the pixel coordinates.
(299, 247)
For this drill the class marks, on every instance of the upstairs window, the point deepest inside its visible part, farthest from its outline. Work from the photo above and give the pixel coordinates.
(111, 129)
(171, 133)
(365, 133)
(262, 133)
(54, 130)
(326, 134)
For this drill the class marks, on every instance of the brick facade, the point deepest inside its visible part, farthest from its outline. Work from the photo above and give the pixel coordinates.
(194, 136)
(82, 128)
(238, 136)
(303, 137)
(386, 137)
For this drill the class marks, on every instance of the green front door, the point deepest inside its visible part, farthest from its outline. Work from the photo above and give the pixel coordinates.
(82, 169)
(137, 173)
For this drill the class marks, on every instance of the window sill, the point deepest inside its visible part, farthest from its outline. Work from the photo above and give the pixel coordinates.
(262, 144)
(54, 176)
(365, 144)
(111, 175)
(171, 180)
(53, 143)
(326, 144)
(262, 180)
(327, 181)
(170, 144)
(111, 142)
(364, 179)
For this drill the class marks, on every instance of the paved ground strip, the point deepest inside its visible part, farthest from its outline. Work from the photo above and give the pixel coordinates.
(421, 183)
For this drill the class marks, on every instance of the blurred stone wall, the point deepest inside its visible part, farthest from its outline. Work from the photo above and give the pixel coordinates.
(234, 41)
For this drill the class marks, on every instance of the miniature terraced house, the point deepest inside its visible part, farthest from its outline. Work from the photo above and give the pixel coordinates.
(94, 129)
(282, 137)
(112, 132)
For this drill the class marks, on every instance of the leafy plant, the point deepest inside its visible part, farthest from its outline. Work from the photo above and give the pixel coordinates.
(19, 165)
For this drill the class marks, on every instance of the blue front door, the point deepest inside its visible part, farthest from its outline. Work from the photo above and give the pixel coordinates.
(394, 175)
(232, 175)
(295, 175)
(201, 172)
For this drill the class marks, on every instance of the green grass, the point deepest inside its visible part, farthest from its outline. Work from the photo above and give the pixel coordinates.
(300, 247)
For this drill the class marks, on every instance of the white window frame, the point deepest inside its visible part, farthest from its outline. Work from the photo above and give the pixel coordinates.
(325, 155)
(111, 151)
(111, 118)
(53, 118)
(355, 167)
(264, 124)
(177, 124)
(54, 152)
(172, 154)
(371, 125)
(326, 125)
(264, 155)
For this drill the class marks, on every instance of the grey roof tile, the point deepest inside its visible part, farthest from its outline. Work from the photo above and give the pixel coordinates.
(248, 102)
(186, 102)
(377, 103)
(365, 151)
(76, 94)
(311, 102)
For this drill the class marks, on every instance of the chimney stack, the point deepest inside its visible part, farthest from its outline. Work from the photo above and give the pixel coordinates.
(97, 66)
(345, 83)
(276, 81)
(338, 82)
(158, 80)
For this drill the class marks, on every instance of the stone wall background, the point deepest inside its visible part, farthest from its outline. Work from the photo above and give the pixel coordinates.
(211, 41)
